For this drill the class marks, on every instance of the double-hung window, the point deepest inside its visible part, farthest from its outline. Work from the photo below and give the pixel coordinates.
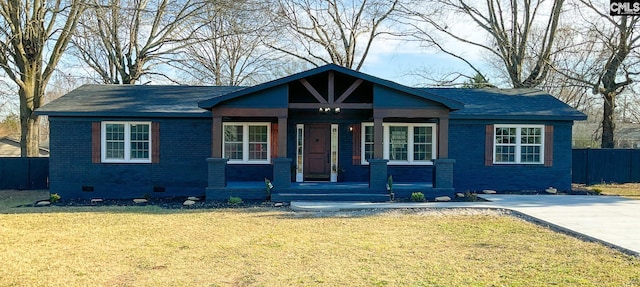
(404, 143)
(246, 142)
(514, 144)
(126, 142)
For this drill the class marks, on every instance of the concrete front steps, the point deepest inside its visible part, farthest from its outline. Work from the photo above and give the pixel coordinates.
(324, 196)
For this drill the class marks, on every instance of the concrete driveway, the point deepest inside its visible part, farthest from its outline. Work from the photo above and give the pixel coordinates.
(612, 220)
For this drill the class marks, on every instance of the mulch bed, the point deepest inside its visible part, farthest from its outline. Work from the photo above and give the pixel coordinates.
(165, 202)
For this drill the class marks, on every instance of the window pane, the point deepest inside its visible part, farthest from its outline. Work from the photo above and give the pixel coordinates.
(506, 135)
(233, 150)
(530, 136)
(368, 142)
(530, 154)
(114, 140)
(258, 142)
(233, 133)
(258, 134)
(139, 134)
(233, 142)
(368, 134)
(422, 143)
(505, 153)
(257, 151)
(398, 143)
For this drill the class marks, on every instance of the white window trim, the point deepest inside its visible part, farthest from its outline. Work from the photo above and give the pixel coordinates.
(518, 144)
(245, 142)
(127, 143)
(410, 143)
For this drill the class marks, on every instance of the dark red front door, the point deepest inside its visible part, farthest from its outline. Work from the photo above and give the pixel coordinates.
(317, 147)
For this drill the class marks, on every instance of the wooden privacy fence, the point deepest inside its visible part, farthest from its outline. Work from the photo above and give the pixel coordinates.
(24, 172)
(591, 166)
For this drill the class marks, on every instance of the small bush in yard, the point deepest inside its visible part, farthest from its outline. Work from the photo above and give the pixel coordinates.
(54, 197)
(417, 196)
(471, 196)
(234, 200)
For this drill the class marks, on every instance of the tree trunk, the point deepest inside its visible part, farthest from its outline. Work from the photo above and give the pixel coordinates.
(608, 124)
(30, 99)
(29, 126)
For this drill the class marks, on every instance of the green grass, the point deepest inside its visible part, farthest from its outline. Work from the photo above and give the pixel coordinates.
(630, 190)
(13, 198)
(150, 246)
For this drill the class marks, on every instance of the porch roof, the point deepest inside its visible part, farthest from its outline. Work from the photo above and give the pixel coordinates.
(447, 102)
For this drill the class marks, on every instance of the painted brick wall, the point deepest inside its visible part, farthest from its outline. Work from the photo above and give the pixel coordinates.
(466, 146)
(182, 171)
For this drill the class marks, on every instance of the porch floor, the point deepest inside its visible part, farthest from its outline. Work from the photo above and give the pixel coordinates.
(325, 186)
(335, 191)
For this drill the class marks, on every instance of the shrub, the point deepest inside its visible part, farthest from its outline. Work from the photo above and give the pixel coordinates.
(471, 196)
(596, 191)
(234, 200)
(54, 197)
(417, 196)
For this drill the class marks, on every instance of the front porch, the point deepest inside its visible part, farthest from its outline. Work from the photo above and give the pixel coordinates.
(284, 190)
(333, 125)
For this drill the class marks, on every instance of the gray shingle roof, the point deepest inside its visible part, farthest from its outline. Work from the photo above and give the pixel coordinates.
(134, 101)
(508, 104)
(182, 101)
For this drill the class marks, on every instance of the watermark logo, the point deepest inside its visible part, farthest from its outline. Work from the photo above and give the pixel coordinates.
(624, 7)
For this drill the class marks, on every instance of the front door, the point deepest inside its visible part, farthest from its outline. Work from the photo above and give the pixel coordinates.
(317, 142)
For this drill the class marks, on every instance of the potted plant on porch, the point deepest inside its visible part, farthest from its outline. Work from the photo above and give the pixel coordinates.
(268, 188)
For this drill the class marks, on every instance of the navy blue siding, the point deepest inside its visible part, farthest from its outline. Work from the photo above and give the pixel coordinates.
(182, 171)
(249, 172)
(269, 98)
(384, 97)
(466, 146)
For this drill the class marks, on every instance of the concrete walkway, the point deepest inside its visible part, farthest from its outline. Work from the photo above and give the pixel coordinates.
(611, 220)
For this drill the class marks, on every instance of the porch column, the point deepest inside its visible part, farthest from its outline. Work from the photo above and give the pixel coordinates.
(378, 139)
(217, 172)
(378, 174)
(443, 173)
(216, 137)
(443, 137)
(282, 137)
(281, 172)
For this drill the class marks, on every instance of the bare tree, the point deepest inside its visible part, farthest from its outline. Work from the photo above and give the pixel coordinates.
(520, 33)
(33, 36)
(331, 31)
(232, 51)
(123, 40)
(604, 57)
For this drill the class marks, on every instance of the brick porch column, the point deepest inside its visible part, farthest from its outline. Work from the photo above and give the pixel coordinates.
(217, 174)
(443, 173)
(282, 172)
(378, 174)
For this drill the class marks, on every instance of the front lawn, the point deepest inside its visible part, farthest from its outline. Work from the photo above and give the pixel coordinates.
(150, 246)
